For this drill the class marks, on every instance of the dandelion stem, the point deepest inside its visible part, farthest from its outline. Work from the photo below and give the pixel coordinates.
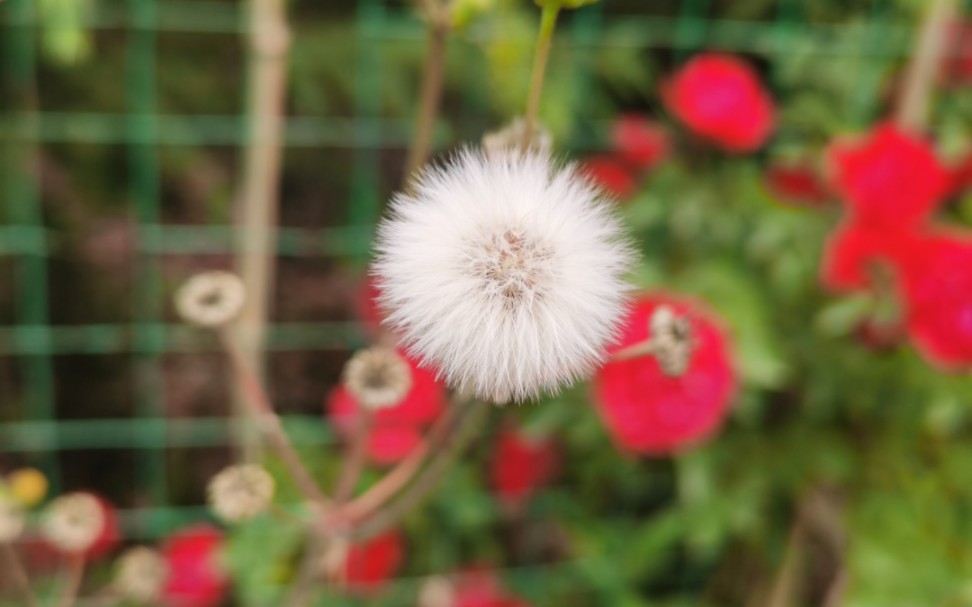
(355, 459)
(16, 568)
(75, 575)
(548, 20)
(400, 475)
(269, 423)
(431, 95)
(924, 66)
(458, 436)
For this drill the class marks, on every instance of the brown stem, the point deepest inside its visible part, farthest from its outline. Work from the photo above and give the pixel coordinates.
(356, 457)
(784, 586)
(925, 65)
(16, 568)
(309, 572)
(258, 193)
(431, 95)
(269, 423)
(459, 434)
(75, 575)
(401, 474)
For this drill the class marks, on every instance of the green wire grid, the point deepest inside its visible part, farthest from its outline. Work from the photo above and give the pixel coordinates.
(25, 238)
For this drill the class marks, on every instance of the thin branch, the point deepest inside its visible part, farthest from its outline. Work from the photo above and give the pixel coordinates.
(269, 423)
(925, 65)
(269, 42)
(430, 100)
(16, 568)
(401, 474)
(355, 458)
(461, 431)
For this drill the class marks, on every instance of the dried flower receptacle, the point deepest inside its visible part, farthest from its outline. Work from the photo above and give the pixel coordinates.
(378, 378)
(141, 574)
(239, 493)
(74, 522)
(211, 299)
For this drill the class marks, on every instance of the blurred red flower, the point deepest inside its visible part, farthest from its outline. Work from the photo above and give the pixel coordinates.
(937, 285)
(481, 588)
(195, 576)
(640, 141)
(796, 184)
(853, 250)
(369, 566)
(611, 174)
(649, 412)
(721, 98)
(888, 178)
(520, 465)
(957, 66)
(395, 431)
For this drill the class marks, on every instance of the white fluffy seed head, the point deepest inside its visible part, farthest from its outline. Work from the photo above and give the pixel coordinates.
(504, 272)
(377, 378)
(239, 493)
(141, 574)
(211, 299)
(73, 522)
(12, 520)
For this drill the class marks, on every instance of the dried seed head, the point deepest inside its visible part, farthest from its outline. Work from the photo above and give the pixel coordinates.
(377, 378)
(436, 591)
(74, 522)
(671, 341)
(141, 574)
(12, 521)
(510, 138)
(210, 299)
(239, 493)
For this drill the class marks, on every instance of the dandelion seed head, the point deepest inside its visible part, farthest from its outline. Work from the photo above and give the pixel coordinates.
(504, 272)
(211, 299)
(73, 522)
(239, 493)
(377, 378)
(140, 574)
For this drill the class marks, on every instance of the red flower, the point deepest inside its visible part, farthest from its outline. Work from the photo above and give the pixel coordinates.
(852, 251)
(611, 174)
(888, 179)
(195, 577)
(641, 142)
(481, 588)
(520, 465)
(650, 412)
(395, 430)
(938, 293)
(721, 98)
(110, 536)
(797, 184)
(369, 566)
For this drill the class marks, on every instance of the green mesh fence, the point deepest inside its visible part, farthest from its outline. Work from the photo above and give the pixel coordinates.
(28, 243)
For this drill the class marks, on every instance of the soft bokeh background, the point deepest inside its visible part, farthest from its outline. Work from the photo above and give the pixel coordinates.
(121, 134)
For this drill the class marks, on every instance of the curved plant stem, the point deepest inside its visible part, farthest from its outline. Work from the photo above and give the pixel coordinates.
(269, 40)
(400, 475)
(270, 425)
(75, 575)
(431, 95)
(16, 568)
(458, 436)
(355, 459)
(548, 20)
(924, 67)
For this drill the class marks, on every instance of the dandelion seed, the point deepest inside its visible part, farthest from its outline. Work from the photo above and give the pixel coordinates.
(510, 138)
(74, 522)
(12, 521)
(141, 574)
(210, 299)
(239, 493)
(504, 273)
(377, 378)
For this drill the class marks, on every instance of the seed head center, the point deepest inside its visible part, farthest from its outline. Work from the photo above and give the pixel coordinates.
(511, 265)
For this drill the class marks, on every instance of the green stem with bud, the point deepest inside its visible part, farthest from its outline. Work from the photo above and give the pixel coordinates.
(548, 21)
